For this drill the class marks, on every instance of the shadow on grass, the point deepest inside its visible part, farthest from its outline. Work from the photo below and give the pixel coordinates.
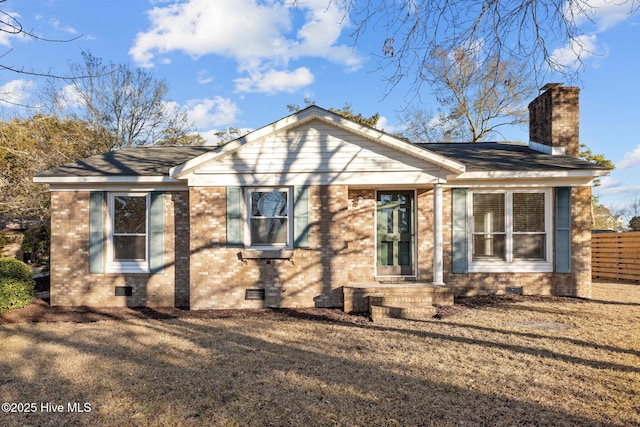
(220, 373)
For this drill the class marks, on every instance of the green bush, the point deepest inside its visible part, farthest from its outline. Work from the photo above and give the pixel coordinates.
(37, 241)
(16, 284)
(14, 294)
(14, 269)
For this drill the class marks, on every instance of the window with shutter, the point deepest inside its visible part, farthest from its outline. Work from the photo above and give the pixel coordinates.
(128, 232)
(509, 230)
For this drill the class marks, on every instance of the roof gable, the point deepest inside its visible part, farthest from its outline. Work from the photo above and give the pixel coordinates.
(333, 124)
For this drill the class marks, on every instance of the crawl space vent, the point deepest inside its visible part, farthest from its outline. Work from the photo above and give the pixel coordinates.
(254, 294)
(124, 291)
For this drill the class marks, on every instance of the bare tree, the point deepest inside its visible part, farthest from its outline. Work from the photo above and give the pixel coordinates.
(478, 97)
(125, 105)
(9, 24)
(523, 31)
(421, 125)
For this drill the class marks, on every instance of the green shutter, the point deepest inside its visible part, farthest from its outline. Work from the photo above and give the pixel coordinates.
(301, 217)
(156, 231)
(563, 230)
(459, 229)
(96, 232)
(234, 216)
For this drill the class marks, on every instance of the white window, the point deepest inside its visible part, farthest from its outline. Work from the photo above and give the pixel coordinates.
(510, 230)
(268, 218)
(128, 232)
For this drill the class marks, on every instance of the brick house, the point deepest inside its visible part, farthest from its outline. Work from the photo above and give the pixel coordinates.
(305, 210)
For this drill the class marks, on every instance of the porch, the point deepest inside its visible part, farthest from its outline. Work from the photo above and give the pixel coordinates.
(396, 300)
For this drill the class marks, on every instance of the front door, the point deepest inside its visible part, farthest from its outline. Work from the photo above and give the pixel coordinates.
(395, 233)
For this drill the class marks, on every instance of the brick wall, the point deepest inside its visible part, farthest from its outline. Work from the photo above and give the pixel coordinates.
(424, 236)
(361, 235)
(314, 276)
(202, 272)
(554, 119)
(577, 283)
(71, 282)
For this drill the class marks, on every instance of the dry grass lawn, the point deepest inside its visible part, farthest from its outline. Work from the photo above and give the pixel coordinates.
(522, 361)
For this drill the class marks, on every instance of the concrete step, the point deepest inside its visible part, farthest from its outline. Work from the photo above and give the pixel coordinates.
(409, 313)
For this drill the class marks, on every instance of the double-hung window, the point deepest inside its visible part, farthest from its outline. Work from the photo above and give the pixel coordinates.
(268, 217)
(128, 231)
(510, 230)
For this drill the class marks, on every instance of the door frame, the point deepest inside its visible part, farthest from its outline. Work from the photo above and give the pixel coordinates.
(414, 240)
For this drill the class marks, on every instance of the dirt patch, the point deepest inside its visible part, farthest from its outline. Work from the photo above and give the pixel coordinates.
(40, 311)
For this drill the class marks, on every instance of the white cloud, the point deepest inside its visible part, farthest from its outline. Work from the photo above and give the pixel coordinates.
(259, 35)
(605, 14)
(383, 125)
(608, 183)
(8, 27)
(578, 49)
(69, 97)
(204, 77)
(16, 91)
(210, 113)
(630, 159)
(239, 28)
(58, 26)
(591, 17)
(272, 81)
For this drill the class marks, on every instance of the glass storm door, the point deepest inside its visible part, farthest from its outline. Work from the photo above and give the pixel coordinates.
(395, 233)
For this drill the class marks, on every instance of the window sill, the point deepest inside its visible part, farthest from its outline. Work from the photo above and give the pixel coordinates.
(516, 267)
(127, 267)
(266, 254)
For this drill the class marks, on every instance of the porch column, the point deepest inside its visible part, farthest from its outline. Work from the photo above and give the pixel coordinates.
(438, 276)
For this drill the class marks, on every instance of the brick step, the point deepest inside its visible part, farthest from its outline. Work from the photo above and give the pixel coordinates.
(409, 313)
(356, 296)
(401, 300)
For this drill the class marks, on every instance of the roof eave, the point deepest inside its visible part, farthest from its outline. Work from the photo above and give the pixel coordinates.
(106, 180)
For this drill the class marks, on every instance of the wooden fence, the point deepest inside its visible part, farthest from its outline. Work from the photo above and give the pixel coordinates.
(615, 256)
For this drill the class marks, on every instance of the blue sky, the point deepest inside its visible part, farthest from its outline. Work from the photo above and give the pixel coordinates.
(240, 62)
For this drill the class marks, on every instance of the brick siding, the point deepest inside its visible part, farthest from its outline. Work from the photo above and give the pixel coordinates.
(314, 276)
(203, 273)
(71, 282)
(554, 119)
(576, 284)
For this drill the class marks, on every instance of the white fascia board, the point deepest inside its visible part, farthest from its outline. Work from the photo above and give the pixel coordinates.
(106, 180)
(489, 175)
(309, 114)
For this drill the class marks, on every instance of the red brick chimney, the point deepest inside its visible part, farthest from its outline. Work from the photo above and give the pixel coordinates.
(554, 120)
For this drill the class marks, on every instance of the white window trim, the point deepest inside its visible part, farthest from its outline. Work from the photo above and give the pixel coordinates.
(132, 266)
(510, 265)
(247, 218)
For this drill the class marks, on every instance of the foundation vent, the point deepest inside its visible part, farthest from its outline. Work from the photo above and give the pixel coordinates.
(254, 294)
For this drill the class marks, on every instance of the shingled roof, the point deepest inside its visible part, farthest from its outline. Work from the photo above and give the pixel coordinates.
(157, 161)
(493, 156)
(136, 161)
